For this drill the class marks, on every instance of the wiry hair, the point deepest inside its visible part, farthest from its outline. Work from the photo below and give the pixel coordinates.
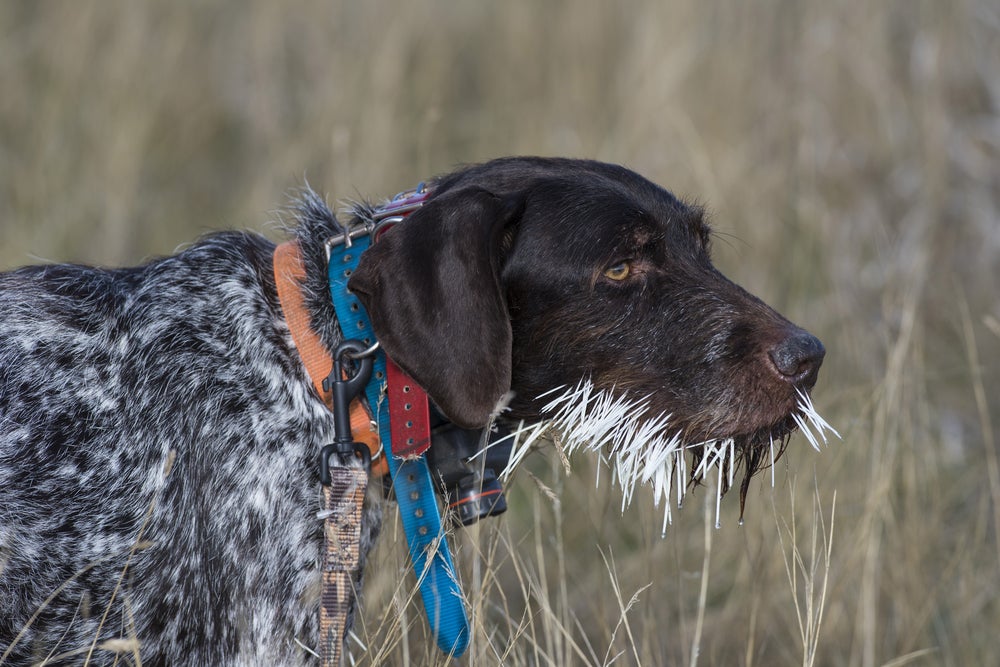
(314, 224)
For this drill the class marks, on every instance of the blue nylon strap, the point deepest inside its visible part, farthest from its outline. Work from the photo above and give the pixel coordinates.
(411, 478)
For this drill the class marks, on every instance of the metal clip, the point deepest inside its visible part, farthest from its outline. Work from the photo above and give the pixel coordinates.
(344, 391)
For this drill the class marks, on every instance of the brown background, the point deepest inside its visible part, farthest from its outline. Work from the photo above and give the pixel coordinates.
(846, 150)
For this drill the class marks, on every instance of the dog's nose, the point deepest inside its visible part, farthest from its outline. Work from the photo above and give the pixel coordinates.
(798, 357)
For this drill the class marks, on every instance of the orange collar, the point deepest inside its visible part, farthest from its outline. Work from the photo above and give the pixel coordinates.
(289, 272)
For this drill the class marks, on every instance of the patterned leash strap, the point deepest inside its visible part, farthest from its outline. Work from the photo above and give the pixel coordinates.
(343, 499)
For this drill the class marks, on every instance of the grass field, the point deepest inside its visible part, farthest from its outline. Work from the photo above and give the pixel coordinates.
(848, 154)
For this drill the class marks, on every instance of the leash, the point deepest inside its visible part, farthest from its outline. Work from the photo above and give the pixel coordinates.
(403, 428)
(343, 499)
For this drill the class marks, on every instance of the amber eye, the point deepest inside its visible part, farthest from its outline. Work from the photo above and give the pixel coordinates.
(619, 271)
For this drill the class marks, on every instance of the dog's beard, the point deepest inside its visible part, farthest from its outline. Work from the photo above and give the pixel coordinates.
(643, 450)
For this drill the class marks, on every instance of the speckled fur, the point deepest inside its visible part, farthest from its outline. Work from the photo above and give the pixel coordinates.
(158, 440)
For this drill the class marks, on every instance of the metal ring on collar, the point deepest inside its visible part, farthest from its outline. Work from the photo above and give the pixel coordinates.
(351, 354)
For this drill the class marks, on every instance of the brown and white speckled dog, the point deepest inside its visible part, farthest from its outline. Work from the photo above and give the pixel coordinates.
(159, 434)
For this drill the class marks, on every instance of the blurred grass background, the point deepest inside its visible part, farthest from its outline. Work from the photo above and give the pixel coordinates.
(848, 153)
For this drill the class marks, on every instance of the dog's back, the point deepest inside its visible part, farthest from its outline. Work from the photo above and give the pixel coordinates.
(154, 437)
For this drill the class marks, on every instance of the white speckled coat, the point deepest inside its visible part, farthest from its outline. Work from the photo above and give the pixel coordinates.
(158, 440)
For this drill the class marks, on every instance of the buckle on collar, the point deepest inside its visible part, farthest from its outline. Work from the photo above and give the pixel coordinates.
(402, 204)
(347, 238)
(383, 217)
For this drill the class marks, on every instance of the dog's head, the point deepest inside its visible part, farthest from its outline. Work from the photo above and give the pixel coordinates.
(545, 277)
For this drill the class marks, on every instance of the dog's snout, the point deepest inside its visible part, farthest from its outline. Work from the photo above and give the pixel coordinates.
(798, 357)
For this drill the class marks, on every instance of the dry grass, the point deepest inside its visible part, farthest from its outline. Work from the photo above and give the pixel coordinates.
(849, 155)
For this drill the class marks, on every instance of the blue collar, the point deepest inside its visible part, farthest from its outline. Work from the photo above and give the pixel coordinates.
(414, 489)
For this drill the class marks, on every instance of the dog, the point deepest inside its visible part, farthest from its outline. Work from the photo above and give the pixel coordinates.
(159, 432)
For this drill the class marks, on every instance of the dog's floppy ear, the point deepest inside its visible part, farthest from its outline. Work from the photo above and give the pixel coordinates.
(431, 285)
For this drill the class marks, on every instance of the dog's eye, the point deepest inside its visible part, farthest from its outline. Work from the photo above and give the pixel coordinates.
(619, 271)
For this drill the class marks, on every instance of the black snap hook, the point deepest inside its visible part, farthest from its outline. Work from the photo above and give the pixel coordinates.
(344, 391)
